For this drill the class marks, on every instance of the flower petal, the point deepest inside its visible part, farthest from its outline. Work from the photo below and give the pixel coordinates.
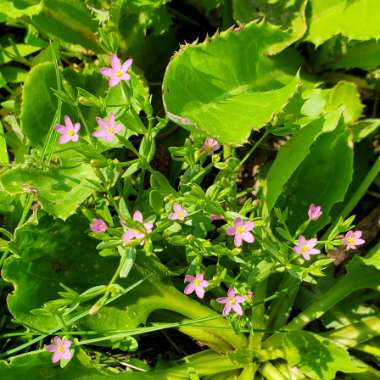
(107, 71)
(137, 216)
(227, 309)
(230, 231)
(238, 240)
(200, 292)
(126, 65)
(189, 278)
(230, 292)
(248, 237)
(114, 80)
(237, 309)
(189, 288)
(56, 357)
(222, 300)
(115, 62)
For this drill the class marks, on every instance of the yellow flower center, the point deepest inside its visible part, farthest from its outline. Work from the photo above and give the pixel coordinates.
(111, 130)
(240, 230)
(119, 73)
(232, 300)
(181, 214)
(71, 132)
(305, 248)
(60, 349)
(350, 240)
(197, 283)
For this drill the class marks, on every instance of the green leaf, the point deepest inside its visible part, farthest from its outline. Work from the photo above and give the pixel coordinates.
(70, 21)
(227, 86)
(38, 102)
(364, 128)
(13, 74)
(46, 255)
(60, 190)
(37, 366)
(291, 156)
(344, 94)
(357, 20)
(17, 8)
(363, 55)
(290, 16)
(331, 156)
(15, 51)
(317, 357)
(4, 158)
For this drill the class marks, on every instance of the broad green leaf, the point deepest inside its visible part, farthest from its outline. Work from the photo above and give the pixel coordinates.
(364, 128)
(13, 74)
(227, 86)
(13, 52)
(70, 21)
(290, 16)
(362, 273)
(292, 155)
(38, 366)
(331, 156)
(48, 254)
(17, 8)
(317, 357)
(363, 55)
(4, 159)
(38, 102)
(59, 190)
(357, 20)
(345, 94)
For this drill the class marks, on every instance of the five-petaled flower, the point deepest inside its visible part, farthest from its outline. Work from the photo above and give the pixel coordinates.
(60, 349)
(98, 226)
(132, 233)
(68, 132)
(314, 212)
(353, 239)
(241, 231)
(231, 302)
(306, 247)
(117, 72)
(179, 213)
(196, 283)
(210, 146)
(107, 128)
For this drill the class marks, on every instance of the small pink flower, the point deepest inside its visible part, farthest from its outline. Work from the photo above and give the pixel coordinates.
(196, 283)
(241, 231)
(232, 302)
(98, 226)
(352, 239)
(215, 217)
(117, 72)
(107, 128)
(61, 349)
(210, 146)
(132, 233)
(314, 212)
(68, 132)
(306, 247)
(179, 213)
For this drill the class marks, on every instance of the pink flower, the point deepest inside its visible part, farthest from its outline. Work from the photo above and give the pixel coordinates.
(107, 128)
(306, 247)
(241, 231)
(61, 349)
(68, 132)
(179, 213)
(132, 233)
(215, 217)
(314, 212)
(352, 239)
(232, 302)
(210, 146)
(98, 226)
(117, 72)
(197, 284)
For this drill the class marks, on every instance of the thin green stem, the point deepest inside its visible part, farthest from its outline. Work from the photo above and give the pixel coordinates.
(254, 147)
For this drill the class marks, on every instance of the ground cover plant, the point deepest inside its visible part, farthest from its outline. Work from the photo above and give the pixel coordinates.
(189, 189)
